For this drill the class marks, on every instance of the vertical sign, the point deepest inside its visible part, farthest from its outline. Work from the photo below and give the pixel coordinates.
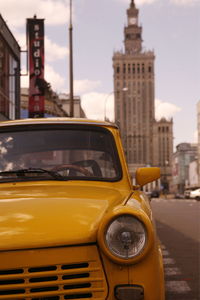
(35, 39)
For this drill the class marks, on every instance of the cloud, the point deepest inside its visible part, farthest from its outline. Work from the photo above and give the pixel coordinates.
(55, 79)
(86, 85)
(185, 2)
(140, 2)
(101, 105)
(53, 51)
(98, 105)
(165, 109)
(16, 12)
(176, 2)
(195, 136)
(51, 76)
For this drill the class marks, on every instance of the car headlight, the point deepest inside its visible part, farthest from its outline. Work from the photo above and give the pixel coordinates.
(126, 236)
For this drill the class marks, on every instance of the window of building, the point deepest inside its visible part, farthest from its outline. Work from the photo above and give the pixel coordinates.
(124, 68)
(2, 65)
(118, 69)
(133, 68)
(143, 68)
(138, 68)
(150, 69)
(129, 68)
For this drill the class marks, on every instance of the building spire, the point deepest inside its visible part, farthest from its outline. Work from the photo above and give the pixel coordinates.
(132, 3)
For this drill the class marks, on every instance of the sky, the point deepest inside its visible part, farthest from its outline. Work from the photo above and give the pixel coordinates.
(170, 28)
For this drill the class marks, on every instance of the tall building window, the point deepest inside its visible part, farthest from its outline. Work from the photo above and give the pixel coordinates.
(138, 68)
(2, 64)
(129, 68)
(12, 86)
(150, 69)
(143, 68)
(133, 68)
(124, 68)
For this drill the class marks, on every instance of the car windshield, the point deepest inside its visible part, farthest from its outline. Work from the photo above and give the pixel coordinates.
(58, 152)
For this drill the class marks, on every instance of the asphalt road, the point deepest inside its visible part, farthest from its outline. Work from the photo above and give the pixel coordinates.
(178, 228)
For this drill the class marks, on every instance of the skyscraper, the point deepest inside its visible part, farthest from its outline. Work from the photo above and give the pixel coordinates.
(146, 142)
(134, 93)
(198, 131)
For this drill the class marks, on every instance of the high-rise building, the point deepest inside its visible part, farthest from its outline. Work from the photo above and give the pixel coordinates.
(134, 94)
(198, 130)
(184, 155)
(145, 140)
(163, 150)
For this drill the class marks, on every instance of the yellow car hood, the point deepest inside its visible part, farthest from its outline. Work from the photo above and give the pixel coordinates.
(43, 215)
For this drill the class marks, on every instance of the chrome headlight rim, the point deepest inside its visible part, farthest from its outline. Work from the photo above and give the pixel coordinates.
(142, 218)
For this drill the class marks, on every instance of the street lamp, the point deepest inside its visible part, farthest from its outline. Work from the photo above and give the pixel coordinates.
(71, 93)
(107, 97)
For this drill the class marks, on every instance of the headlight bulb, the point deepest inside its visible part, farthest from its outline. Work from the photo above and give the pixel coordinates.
(126, 236)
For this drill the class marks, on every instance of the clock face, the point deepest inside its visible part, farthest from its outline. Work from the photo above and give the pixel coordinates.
(132, 20)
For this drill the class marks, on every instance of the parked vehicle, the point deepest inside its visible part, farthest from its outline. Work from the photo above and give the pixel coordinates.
(195, 194)
(155, 194)
(72, 224)
(179, 196)
(187, 193)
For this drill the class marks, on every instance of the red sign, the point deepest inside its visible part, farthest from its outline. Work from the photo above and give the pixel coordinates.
(35, 38)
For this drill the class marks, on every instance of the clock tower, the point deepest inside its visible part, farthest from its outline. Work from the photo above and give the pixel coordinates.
(145, 140)
(133, 32)
(134, 93)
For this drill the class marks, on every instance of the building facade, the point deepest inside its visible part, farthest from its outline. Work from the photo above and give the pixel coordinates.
(134, 93)
(198, 130)
(9, 74)
(163, 150)
(182, 158)
(146, 141)
(78, 110)
(52, 105)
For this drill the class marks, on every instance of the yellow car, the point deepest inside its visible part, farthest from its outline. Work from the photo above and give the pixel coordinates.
(72, 225)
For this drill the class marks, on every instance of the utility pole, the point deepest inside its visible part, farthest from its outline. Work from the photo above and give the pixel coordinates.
(71, 87)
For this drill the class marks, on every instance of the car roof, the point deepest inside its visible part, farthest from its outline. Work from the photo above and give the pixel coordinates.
(58, 120)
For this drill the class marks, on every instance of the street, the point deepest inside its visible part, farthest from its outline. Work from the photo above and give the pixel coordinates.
(178, 228)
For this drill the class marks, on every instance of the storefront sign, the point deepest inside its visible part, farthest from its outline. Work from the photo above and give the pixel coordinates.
(35, 37)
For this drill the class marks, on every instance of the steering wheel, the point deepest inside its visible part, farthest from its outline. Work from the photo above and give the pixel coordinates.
(72, 167)
(92, 164)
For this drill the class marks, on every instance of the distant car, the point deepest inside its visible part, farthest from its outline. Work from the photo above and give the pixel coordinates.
(155, 194)
(195, 194)
(187, 193)
(179, 196)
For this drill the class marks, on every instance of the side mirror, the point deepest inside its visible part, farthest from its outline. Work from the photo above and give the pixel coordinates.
(146, 175)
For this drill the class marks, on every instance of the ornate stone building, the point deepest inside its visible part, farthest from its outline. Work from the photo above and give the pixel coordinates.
(198, 130)
(134, 93)
(134, 84)
(163, 150)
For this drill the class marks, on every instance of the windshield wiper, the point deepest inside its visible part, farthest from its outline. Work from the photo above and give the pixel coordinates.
(22, 172)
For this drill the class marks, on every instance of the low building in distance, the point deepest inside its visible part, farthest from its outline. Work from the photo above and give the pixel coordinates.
(185, 154)
(65, 101)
